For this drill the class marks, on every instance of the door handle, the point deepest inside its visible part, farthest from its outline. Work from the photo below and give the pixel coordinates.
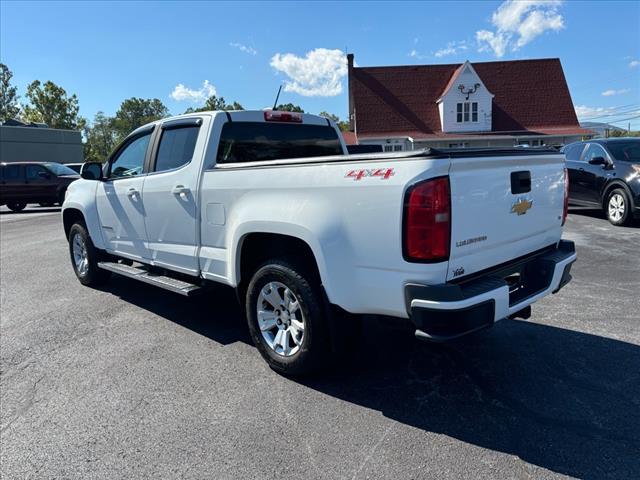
(132, 192)
(180, 190)
(581, 169)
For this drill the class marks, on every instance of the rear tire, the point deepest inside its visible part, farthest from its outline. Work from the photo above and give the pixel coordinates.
(286, 319)
(618, 207)
(85, 257)
(16, 207)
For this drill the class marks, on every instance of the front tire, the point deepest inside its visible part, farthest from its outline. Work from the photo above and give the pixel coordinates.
(286, 319)
(618, 207)
(16, 206)
(85, 257)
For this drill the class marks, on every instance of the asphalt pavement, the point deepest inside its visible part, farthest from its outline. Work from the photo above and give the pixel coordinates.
(131, 381)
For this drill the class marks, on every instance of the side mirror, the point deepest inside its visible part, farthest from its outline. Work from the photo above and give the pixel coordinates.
(91, 171)
(44, 175)
(598, 161)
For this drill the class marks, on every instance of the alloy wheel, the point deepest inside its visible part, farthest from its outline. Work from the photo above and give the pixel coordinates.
(280, 319)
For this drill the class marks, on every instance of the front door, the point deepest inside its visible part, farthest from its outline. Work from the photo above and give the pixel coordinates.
(591, 177)
(119, 199)
(170, 195)
(40, 184)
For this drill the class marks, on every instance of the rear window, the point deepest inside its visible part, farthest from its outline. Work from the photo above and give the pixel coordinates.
(572, 152)
(257, 141)
(625, 151)
(176, 147)
(11, 172)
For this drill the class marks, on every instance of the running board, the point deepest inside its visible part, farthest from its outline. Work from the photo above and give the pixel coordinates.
(168, 283)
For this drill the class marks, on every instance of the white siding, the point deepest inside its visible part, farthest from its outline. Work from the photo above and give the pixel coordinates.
(448, 104)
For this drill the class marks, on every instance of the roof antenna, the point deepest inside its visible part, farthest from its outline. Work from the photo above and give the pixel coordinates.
(277, 97)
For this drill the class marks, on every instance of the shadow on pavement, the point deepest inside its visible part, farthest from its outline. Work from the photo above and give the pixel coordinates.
(563, 400)
(215, 314)
(28, 210)
(599, 214)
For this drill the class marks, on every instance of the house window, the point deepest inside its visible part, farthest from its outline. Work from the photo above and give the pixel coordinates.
(397, 148)
(388, 148)
(467, 112)
(459, 145)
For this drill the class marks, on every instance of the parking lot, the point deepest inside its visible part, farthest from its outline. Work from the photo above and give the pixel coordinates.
(132, 381)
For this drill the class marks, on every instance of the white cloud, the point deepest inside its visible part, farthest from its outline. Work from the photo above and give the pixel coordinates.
(318, 74)
(181, 93)
(634, 63)
(518, 22)
(606, 114)
(611, 92)
(452, 48)
(244, 48)
(415, 54)
(584, 112)
(488, 40)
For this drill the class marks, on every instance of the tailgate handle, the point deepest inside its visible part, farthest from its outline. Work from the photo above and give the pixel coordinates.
(520, 182)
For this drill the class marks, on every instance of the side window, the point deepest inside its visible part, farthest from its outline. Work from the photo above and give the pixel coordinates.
(594, 150)
(176, 147)
(572, 152)
(33, 172)
(130, 160)
(12, 173)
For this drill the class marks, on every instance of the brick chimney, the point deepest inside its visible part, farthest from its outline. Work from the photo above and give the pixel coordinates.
(352, 120)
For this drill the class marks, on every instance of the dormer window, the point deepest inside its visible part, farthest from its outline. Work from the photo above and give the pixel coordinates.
(467, 112)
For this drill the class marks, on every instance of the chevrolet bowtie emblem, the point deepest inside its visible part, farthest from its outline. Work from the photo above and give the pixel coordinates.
(521, 206)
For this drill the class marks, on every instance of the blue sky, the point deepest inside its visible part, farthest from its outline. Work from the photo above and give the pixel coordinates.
(106, 52)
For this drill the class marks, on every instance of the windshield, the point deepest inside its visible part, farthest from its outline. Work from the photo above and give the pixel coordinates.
(628, 151)
(59, 169)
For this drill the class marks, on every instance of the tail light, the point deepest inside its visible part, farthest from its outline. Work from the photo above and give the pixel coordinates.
(427, 221)
(276, 116)
(565, 211)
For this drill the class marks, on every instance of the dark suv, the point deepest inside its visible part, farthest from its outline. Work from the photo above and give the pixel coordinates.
(605, 173)
(33, 182)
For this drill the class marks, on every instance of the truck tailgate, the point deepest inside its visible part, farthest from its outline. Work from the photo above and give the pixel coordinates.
(502, 208)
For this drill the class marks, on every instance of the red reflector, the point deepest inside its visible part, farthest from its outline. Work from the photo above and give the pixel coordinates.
(427, 232)
(275, 116)
(565, 211)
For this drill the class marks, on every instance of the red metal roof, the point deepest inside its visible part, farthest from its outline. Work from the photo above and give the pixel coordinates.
(529, 96)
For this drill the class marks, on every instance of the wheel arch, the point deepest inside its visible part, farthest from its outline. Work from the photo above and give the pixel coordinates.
(69, 217)
(255, 248)
(612, 186)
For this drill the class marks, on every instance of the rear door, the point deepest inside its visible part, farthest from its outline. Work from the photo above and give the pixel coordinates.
(575, 166)
(503, 207)
(170, 194)
(12, 183)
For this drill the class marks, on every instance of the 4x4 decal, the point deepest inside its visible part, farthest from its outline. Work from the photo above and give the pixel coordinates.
(383, 173)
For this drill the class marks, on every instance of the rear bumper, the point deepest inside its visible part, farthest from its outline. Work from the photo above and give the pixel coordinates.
(450, 310)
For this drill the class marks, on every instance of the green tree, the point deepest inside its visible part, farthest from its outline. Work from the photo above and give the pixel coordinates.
(215, 103)
(289, 107)
(101, 138)
(9, 107)
(135, 112)
(50, 104)
(343, 126)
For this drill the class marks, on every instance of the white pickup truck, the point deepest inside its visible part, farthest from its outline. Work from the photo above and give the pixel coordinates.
(268, 202)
